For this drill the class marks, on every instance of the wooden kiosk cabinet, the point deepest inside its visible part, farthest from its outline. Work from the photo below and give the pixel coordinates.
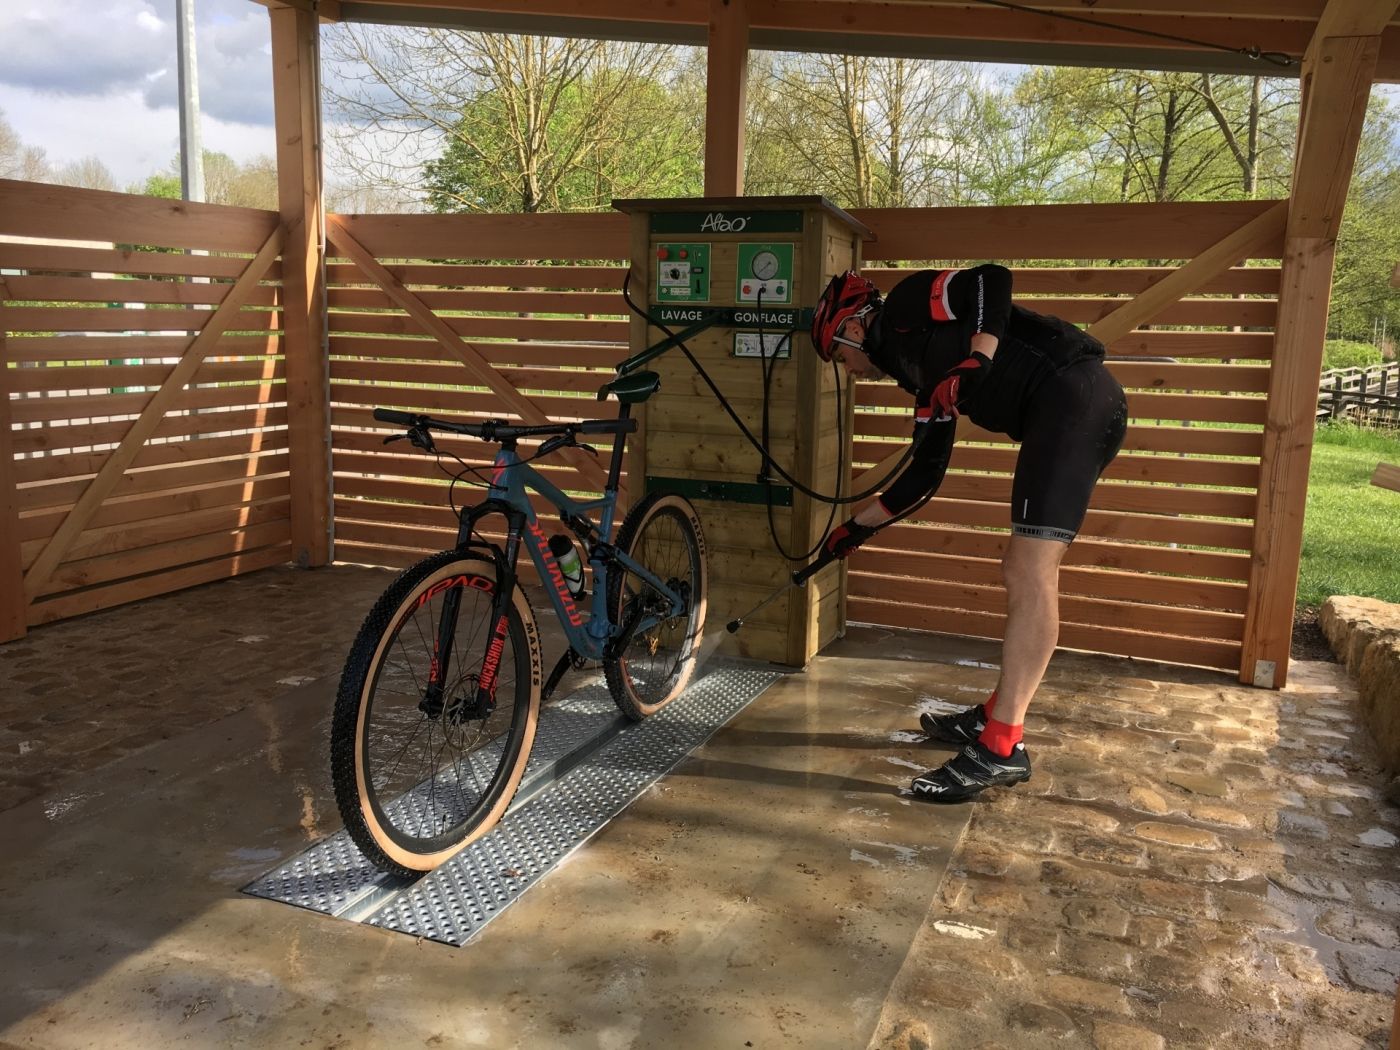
(754, 266)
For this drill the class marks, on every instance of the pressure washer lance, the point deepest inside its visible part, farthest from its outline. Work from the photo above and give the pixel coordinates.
(799, 579)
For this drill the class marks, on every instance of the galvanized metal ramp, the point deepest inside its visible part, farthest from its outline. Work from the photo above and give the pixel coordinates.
(588, 763)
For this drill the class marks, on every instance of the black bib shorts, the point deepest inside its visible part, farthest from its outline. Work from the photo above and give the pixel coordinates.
(1073, 426)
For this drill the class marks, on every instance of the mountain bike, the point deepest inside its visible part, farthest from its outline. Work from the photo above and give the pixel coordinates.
(438, 702)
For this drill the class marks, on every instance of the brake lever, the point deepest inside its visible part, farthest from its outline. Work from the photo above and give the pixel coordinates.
(420, 437)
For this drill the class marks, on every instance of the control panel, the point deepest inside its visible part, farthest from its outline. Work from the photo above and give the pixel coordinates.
(682, 273)
(764, 269)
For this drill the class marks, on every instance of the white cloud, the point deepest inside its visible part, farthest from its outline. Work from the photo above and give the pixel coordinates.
(99, 77)
(119, 129)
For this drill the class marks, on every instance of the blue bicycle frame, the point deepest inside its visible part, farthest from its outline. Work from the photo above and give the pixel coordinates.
(591, 634)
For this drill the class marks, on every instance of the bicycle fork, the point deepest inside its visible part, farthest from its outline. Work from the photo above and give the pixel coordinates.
(483, 701)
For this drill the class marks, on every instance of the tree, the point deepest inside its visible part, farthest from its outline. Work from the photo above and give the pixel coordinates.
(1261, 128)
(485, 122)
(1368, 243)
(18, 161)
(867, 132)
(1015, 150)
(1174, 136)
(226, 181)
(89, 173)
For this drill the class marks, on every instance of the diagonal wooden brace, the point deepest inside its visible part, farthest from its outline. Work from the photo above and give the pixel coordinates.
(439, 329)
(1243, 243)
(121, 458)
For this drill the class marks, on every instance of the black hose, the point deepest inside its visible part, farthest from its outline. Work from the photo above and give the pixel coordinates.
(821, 497)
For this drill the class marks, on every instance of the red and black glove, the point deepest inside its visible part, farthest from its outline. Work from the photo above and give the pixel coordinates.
(846, 537)
(957, 386)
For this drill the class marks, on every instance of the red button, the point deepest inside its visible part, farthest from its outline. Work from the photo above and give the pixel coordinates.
(684, 253)
(746, 289)
(662, 253)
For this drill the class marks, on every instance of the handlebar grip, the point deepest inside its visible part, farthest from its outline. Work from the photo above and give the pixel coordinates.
(390, 415)
(608, 426)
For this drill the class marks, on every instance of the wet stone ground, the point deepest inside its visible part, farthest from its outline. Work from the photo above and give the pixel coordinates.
(1193, 864)
(78, 694)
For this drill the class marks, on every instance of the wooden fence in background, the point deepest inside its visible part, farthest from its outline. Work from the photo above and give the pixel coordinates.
(1366, 394)
(142, 400)
(536, 308)
(144, 456)
(1162, 565)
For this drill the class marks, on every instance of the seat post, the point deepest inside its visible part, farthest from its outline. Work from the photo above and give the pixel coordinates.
(624, 411)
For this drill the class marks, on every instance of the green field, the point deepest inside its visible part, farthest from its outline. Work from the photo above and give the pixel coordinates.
(1351, 535)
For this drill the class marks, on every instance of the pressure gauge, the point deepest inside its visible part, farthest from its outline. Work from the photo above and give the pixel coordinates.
(765, 265)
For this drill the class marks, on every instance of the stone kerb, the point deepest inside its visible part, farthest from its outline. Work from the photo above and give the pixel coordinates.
(1365, 635)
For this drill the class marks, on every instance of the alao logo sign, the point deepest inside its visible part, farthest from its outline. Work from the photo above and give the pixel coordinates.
(715, 222)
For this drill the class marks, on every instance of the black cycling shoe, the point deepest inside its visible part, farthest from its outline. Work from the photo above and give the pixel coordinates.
(961, 727)
(971, 771)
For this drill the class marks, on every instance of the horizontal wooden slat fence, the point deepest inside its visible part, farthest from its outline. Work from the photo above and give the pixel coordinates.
(520, 317)
(1162, 564)
(464, 317)
(1364, 394)
(145, 420)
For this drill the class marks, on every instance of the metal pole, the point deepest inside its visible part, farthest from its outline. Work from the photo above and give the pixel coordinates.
(191, 148)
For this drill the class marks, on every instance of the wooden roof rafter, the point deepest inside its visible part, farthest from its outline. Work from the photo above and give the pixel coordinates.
(951, 30)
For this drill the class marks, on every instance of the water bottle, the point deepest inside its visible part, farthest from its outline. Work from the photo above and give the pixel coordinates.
(566, 554)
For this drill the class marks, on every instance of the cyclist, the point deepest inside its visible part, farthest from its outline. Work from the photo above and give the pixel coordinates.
(954, 340)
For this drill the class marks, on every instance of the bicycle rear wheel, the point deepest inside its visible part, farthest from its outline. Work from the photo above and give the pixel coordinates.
(420, 773)
(661, 533)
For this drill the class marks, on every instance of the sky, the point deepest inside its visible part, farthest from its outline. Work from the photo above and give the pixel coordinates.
(98, 77)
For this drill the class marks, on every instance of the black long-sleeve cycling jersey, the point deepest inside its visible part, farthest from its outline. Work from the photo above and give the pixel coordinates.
(925, 327)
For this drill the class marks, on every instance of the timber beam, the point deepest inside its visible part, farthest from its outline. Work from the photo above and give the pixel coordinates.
(725, 94)
(296, 104)
(1337, 76)
(324, 10)
(927, 29)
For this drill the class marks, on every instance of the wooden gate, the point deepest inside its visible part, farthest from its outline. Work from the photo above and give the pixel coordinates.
(143, 421)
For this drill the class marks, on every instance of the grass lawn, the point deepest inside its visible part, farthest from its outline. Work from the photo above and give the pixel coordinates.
(1351, 535)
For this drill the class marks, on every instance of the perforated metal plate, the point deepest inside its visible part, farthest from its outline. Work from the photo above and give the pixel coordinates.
(587, 764)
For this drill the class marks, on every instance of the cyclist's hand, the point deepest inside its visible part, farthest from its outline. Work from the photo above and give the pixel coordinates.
(846, 537)
(958, 385)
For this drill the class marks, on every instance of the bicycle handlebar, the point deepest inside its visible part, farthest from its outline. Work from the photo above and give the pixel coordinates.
(500, 430)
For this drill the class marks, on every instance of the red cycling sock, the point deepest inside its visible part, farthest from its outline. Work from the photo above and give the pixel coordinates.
(1000, 738)
(988, 704)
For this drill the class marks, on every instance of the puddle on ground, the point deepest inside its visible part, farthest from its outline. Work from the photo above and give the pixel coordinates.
(56, 809)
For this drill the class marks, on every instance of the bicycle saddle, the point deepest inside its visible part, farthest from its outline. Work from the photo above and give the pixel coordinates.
(631, 389)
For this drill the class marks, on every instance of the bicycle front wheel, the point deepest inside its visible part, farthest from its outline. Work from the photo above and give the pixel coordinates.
(421, 764)
(662, 534)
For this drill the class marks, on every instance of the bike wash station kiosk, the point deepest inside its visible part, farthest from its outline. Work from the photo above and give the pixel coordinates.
(721, 273)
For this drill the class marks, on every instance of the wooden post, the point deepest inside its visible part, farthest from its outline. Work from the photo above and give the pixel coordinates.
(1337, 80)
(13, 602)
(640, 254)
(726, 89)
(296, 103)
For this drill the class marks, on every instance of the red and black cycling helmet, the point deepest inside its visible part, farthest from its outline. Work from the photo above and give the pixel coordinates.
(848, 295)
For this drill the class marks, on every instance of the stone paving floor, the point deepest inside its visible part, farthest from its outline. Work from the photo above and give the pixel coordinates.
(1194, 863)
